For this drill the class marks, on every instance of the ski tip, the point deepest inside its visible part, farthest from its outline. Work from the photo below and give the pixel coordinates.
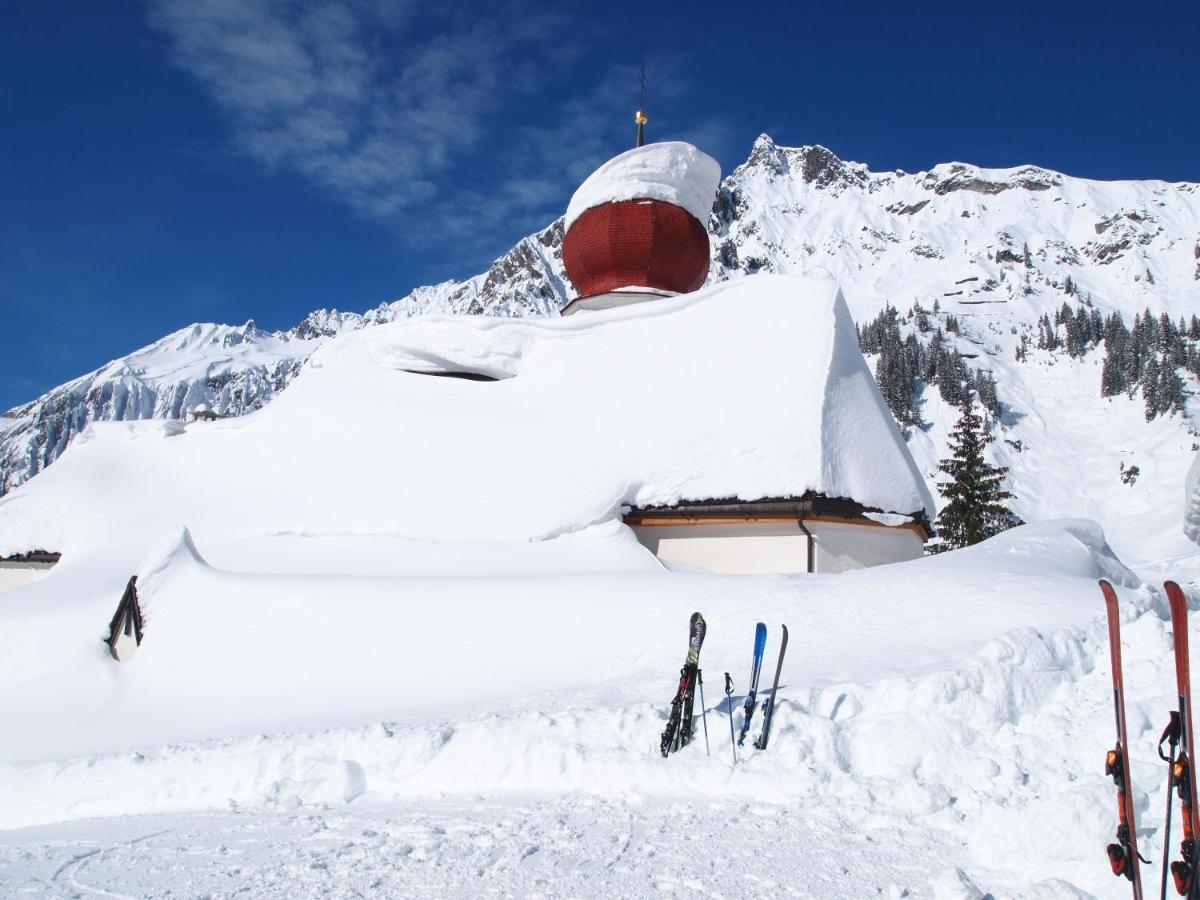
(1175, 595)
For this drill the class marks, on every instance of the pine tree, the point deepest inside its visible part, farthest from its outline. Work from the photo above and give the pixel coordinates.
(899, 363)
(1022, 351)
(975, 509)
(1169, 395)
(985, 387)
(1097, 327)
(1150, 380)
(1112, 377)
(952, 375)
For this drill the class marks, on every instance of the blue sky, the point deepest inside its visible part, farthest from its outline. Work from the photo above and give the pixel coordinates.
(219, 160)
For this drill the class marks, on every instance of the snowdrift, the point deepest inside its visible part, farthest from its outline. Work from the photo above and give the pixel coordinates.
(228, 653)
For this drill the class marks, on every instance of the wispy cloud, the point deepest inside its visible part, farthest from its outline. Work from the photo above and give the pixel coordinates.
(395, 110)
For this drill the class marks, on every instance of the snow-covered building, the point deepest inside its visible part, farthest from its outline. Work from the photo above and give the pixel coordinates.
(734, 428)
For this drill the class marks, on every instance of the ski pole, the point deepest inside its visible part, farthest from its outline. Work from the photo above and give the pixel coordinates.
(729, 697)
(1170, 736)
(703, 710)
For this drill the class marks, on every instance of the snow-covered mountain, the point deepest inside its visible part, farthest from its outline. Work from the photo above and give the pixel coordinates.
(996, 249)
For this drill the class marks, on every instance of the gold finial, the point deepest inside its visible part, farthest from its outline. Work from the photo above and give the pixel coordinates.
(640, 116)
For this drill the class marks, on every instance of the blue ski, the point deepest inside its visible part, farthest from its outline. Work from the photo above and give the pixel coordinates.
(760, 644)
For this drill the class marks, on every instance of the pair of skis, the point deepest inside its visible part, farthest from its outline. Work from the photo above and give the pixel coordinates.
(768, 706)
(678, 733)
(1123, 854)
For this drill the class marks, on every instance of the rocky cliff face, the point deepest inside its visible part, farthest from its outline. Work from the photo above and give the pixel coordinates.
(230, 370)
(997, 249)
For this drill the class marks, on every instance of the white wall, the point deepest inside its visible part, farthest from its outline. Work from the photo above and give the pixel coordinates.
(778, 547)
(729, 549)
(15, 575)
(845, 546)
(126, 644)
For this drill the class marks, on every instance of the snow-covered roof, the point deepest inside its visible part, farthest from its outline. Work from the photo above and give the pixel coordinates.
(750, 389)
(672, 171)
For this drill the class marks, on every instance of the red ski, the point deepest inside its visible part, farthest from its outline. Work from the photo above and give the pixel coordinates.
(1123, 854)
(1183, 771)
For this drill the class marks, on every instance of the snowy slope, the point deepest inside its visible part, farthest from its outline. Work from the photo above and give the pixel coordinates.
(233, 370)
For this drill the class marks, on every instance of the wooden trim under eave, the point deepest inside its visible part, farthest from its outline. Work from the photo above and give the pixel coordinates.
(33, 556)
(653, 521)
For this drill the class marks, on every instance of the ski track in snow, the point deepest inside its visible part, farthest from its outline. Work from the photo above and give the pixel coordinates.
(571, 846)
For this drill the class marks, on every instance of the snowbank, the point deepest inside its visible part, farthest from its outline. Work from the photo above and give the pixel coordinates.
(750, 389)
(227, 653)
(672, 171)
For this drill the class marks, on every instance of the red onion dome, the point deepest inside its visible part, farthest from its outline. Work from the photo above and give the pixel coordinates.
(638, 222)
(636, 243)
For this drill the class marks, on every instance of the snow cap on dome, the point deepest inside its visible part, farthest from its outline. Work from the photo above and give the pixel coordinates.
(672, 171)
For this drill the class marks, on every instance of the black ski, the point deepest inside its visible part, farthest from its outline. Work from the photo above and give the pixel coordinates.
(679, 726)
(769, 703)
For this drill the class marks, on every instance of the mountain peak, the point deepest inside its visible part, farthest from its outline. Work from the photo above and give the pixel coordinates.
(814, 163)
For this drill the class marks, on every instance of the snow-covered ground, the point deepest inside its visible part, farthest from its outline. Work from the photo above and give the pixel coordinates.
(941, 724)
(573, 845)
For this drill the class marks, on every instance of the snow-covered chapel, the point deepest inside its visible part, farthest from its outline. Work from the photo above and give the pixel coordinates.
(635, 232)
(660, 422)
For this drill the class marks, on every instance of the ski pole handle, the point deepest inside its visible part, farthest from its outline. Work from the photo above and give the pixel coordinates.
(728, 684)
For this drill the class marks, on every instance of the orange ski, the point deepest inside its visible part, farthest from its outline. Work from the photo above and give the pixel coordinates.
(1123, 853)
(1183, 772)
